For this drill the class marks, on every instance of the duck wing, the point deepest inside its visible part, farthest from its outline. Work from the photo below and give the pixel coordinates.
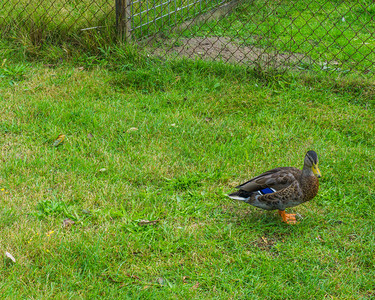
(278, 179)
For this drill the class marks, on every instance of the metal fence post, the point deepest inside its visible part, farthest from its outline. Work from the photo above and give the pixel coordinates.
(123, 19)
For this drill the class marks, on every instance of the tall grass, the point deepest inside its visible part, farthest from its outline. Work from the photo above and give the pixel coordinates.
(86, 24)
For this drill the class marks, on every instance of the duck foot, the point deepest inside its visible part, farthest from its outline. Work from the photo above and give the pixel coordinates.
(288, 218)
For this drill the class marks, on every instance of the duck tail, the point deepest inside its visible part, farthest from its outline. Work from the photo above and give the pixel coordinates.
(240, 195)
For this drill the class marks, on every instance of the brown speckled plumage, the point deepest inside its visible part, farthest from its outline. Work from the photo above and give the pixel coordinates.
(290, 186)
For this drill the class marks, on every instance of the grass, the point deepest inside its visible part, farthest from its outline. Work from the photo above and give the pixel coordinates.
(164, 141)
(330, 36)
(40, 26)
(333, 35)
(152, 146)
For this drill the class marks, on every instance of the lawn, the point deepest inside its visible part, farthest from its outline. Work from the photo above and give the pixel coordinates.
(153, 145)
(152, 148)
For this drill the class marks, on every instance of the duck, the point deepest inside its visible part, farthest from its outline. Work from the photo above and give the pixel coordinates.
(282, 187)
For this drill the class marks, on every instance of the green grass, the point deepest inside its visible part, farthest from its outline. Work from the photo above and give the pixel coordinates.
(335, 34)
(202, 128)
(43, 25)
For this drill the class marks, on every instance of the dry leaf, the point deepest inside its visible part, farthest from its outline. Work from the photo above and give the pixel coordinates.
(195, 286)
(59, 140)
(132, 129)
(10, 256)
(90, 136)
(147, 222)
(299, 216)
(184, 279)
(67, 222)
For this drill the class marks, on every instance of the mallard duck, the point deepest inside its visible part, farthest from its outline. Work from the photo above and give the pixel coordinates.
(283, 187)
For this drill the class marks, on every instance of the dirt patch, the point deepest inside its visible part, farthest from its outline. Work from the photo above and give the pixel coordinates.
(227, 50)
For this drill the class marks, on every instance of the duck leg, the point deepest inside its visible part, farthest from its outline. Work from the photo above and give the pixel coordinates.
(288, 218)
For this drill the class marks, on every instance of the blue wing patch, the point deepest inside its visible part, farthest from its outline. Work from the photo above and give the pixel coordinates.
(267, 191)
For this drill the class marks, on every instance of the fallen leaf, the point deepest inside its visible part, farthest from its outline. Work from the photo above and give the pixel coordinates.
(132, 129)
(10, 256)
(147, 222)
(102, 170)
(299, 216)
(59, 140)
(67, 222)
(195, 286)
(90, 136)
(184, 279)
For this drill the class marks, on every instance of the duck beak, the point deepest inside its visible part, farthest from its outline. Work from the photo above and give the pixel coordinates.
(316, 171)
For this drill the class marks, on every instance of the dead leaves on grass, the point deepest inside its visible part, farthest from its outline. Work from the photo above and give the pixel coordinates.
(147, 222)
(160, 282)
(60, 139)
(10, 256)
(68, 222)
(195, 286)
(132, 129)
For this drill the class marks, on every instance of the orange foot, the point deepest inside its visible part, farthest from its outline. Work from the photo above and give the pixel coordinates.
(288, 218)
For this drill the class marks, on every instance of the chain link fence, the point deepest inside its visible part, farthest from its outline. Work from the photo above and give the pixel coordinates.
(336, 36)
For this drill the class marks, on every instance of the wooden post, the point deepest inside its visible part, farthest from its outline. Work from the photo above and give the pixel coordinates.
(123, 19)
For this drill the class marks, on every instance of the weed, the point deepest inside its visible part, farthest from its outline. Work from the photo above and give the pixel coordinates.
(13, 72)
(50, 208)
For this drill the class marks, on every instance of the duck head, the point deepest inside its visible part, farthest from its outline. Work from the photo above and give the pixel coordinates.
(311, 163)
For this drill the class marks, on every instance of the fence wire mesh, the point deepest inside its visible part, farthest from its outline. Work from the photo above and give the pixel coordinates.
(333, 35)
